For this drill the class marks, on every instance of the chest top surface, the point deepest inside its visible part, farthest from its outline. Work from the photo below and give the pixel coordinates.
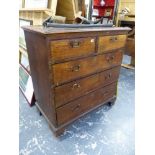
(53, 30)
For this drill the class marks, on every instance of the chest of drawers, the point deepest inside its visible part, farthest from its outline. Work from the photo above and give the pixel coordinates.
(73, 70)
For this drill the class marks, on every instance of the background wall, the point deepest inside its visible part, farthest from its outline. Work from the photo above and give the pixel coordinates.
(127, 3)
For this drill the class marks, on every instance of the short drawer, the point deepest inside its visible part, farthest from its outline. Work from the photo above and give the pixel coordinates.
(107, 43)
(65, 49)
(65, 72)
(75, 89)
(85, 103)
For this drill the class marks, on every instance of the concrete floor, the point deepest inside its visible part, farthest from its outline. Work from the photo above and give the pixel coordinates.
(105, 131)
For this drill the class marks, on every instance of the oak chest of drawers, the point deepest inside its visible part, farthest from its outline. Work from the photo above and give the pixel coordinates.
(73, 70)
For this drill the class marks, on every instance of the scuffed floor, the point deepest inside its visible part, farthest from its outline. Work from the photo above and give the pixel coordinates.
(105, 131)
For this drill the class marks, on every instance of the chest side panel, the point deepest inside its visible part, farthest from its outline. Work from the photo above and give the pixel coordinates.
(38, 59)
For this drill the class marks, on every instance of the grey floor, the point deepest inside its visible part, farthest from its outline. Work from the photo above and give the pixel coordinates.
(105, 131)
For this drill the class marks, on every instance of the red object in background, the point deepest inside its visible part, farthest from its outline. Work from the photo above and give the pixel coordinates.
(109, 6)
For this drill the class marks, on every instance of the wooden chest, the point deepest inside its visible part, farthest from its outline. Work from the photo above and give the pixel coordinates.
(73, 70)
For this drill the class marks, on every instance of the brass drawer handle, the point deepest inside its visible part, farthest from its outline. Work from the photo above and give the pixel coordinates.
(76, 108)
(75, 85)
(75, 68)
(114, 38)
(75, 43)
(108, 76)
(110, 58)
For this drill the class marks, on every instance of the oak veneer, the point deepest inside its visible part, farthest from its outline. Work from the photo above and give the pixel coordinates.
(72, 48)
(79, 87)
(73, 70)
(108, 43)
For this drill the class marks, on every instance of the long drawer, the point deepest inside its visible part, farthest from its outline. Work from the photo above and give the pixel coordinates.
(65, 72)
(70, 48)
(77, 88)
(107, 43)
(85, 103)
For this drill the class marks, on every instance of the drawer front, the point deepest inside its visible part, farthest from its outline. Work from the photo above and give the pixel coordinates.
(64, 49)
(107, 43)
(72, 70)
(75, 89)
(83, 104)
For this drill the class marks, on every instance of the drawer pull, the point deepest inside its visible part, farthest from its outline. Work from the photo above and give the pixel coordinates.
(108, 76)
(75, 43)
(112, 39)
(110, 58)
(77, 107)
(75, 68)
(75, 85)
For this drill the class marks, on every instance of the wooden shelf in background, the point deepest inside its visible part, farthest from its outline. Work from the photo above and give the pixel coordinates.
(36, 15)
(35, 9)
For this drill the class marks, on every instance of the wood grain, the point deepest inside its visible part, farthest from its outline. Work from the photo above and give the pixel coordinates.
(77, 88)
(107, 43)
(38, 59)
(81, 80)
(81, 105)
(65, 72)
(50, 31)
(62, 49)
(67, 9)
